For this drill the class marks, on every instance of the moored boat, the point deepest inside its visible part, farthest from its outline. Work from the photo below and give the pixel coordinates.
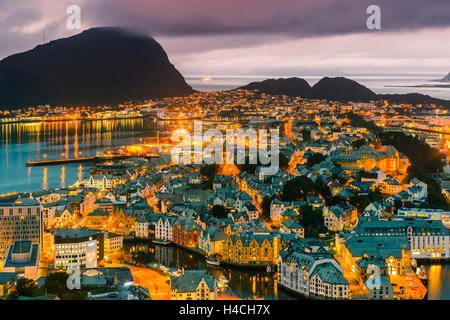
(422, 274)
(161, 241)
(213, 260)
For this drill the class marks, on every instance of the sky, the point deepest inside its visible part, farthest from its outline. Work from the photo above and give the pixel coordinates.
(255, 37)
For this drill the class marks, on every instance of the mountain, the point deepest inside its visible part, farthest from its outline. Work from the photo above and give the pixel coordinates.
(340, 89)
(96, 67)
(446, 78)
(414, 98)
(294, 87)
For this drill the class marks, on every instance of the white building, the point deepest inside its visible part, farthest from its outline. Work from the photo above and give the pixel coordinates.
(75, 248)
(142, 227)
(101, 182)
(426, 214)
(163, 228)
(428, 239)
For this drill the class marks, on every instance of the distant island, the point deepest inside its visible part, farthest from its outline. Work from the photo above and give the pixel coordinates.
(337, 89)
(96, 67)
(445, 79)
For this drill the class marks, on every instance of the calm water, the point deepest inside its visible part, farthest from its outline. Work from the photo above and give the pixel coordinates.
(438, 282)
(55, 140)
(246, 284)
(377, 83)
(243, 283)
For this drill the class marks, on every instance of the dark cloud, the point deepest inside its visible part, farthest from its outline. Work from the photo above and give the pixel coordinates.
(303, 18)
(215, 30)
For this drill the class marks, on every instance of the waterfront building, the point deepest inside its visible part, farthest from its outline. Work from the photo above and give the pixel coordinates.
(193, 285)
(23, 258)
(428, 239)
(20, 219)
(185, 232)
(99, 181)
(164, 227)
(255, 247)
(77, 248)
(211, 240)
(143, 227)
(307, 267)
(425, 214)
(395, 251)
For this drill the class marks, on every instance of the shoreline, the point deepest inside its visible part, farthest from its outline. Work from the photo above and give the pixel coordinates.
(204, 255)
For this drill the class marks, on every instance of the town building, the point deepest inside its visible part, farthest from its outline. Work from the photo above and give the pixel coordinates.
(193, 285)
(20, 219)
(23, 258)
(77, 248)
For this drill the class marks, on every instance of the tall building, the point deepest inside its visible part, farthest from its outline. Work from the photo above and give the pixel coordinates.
(20, 219)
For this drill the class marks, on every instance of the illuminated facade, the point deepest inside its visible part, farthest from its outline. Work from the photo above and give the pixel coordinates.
(193, 285)
(20, 219)
(77, 248)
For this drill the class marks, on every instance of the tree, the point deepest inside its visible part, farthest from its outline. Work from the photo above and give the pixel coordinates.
(218, 211)
(298, 189)
(284, 161)
(312, 220)
(209, 171)
(306, 134)
(422, 156)
(358, 143)
(315, 158)
(56, 283)
(24, 288)
(266, 208)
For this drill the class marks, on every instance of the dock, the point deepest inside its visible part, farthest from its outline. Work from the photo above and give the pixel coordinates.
(56, 162)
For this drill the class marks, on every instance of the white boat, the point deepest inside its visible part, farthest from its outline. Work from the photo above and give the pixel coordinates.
(161, 241)
(213, 260)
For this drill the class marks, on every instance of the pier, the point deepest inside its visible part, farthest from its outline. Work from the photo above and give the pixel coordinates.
(56, 162)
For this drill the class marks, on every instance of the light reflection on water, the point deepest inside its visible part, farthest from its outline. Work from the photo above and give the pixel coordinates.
(243, 283)
(55, 140)
(438, 282)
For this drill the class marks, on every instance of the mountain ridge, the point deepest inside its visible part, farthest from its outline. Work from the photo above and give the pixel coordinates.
(107, 65)
(344, 90)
